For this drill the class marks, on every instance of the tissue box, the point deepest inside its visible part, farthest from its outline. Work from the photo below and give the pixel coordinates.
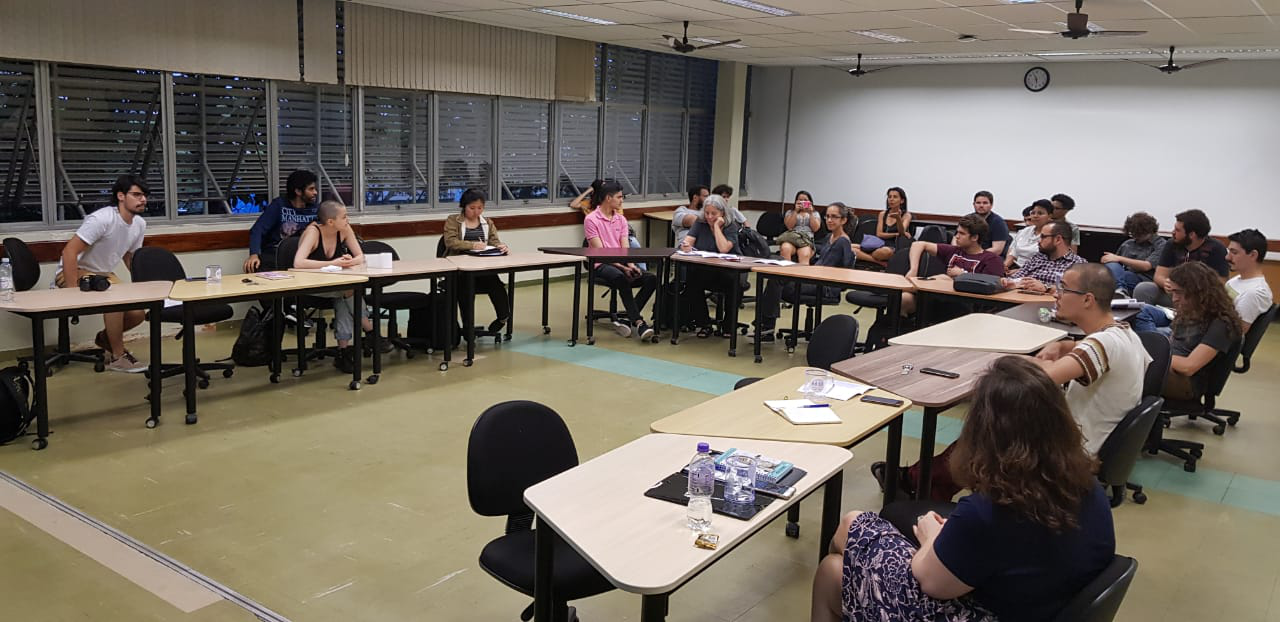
(378, 260)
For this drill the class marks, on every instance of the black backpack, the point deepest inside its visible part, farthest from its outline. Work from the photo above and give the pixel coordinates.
(15, 403)
(428, 325)
(253, 346)
(752, 244)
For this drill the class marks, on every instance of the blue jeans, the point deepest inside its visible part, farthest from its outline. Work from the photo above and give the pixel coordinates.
(1125, 278)
(1151, 319)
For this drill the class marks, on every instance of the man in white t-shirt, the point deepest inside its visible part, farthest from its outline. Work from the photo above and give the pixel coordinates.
(106, 237)
(1248, 288)
(1106, 368)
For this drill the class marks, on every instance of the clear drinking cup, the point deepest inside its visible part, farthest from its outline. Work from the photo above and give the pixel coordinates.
(817, 383)
(213, 273)
(740, 479)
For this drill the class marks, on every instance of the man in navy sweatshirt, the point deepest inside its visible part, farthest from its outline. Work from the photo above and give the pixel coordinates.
(285, 216)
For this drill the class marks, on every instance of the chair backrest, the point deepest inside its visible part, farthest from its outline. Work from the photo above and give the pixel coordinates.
(1100, 599)
(1120, 451)
(26, 270)
(832, 341)
(866, 226)
(1158, 349)
(899, 262)
(373, 247)
(285, 252)
(1251, 339)
(513, 446)
(440, 249)
(1220, 370)
(770, 225)
(933, 233)
(152, 263)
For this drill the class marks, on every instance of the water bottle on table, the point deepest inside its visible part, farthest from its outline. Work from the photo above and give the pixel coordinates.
(702, 484)
(6, 280)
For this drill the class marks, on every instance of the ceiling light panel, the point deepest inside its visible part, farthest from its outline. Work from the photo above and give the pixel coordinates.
(882, 36)
(574, 16)
(759, 7)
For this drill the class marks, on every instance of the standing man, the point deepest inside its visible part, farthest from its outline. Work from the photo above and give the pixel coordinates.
(997, 238)
(1061, 205)
(1248, 289)
(1044, 270)
(285, 216)
(106, 237)
(1191, 242)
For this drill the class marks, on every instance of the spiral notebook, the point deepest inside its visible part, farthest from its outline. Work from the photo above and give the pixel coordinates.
(803, 412)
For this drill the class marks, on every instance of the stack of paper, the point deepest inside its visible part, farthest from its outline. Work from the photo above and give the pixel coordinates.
(803, 412)
(842, 390)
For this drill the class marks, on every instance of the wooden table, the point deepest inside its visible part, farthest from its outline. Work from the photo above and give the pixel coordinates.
(884, 368)
(1030, 312)
(246, 287)
(941, 286)
(891, 285)
(741, 413)
(643, 545)
(742, 264)
(662, 218)
(470, 266)
(596, 256)
(41, 304)
(983, 331)
(400, 270)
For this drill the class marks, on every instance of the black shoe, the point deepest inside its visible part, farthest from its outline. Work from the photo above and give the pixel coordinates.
(384, 345)
(905, 485)
(645, 331)
(344, 361)
(497, 325)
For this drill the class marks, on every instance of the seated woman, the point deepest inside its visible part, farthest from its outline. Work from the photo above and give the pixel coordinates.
(606, 227)
(1026, 242)
(796, 244)
(1036, 529)
(1205, 327)
(329, 241)
(716, 233)
(468, 230)
(838, 253)
(892, 225)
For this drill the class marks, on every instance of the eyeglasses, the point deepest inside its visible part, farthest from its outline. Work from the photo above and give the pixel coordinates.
(1047, 236)
(1059, 291)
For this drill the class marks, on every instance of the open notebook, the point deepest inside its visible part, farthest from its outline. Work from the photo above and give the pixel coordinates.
(803, 412)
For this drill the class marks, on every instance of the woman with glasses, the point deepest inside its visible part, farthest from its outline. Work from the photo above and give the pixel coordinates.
(838, 253)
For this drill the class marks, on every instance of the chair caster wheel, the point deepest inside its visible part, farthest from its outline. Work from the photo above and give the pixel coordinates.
(39, 443)
(227, 373)
(1139, 498)
(48, 372)
(202, 383)
(793, 530)
(742, 331)
(275, 378)
(409, 354)
(372, 379)
(1189, 467)
(467, 363)
(192, 419)
(444, 367)
(1232, 421)
(546, 330)
(99, 366)
(152, 422)
(354, 386)
(759, 359)
(733, 353)
(297, 373)
(591, 341)
(1219, 429)
(1198, 453)
(431, 351)
(572, 343)
(791, 350)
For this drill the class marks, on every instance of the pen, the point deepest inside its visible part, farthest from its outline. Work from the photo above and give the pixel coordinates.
(815, 405)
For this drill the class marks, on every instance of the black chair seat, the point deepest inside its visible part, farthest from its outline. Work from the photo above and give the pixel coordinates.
(870, 300)
(405, 300)
(510, 560)
(204, 314)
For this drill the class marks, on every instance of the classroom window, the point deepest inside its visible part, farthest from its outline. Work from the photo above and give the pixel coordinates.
(107, 123)
(702, 134)
(20, 199)
(396, 147)
(220, 144)
(623, 143)
(465, 145)
(579, 130)
(666, 139)
(314, 133)
(524, 149)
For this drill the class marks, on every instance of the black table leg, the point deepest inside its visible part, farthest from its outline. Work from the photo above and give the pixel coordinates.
(731, 316)
(892, 459)
(375, 309)
(577, 285)
(928, 431)
(922, 309)
(546, 288)
(300, 331)
(451, 297)
(188, 361)
(543, 566)
(831, 492)
(895, 311)
(157, 365)
(468, 317)
(657, 299)
(675, 306)
(756, 322)
(591, 302)
(648, 232)
(795, 321)
(277, 330)
(511, 307)
(653, 607)
(41, 380)
(357, 354)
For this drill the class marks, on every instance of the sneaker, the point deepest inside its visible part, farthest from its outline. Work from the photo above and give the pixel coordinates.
(622, 328)
(384, 345)
(127, 363)
(646, 331)
(765, 335)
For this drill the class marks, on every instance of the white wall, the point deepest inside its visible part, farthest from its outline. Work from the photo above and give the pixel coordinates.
(1116, 136)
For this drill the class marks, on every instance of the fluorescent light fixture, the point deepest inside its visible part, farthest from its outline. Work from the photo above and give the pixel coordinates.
(1064, 53)
(883, 36)
(1021, 1)
(756, 6)
(704, 40)
(574, 16)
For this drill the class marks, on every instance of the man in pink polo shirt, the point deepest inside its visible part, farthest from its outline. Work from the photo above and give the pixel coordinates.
(606, 227)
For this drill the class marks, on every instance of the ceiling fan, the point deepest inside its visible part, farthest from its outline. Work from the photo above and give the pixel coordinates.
(683, 46)
(858, 71)
(1078, 27)
(1171, 68)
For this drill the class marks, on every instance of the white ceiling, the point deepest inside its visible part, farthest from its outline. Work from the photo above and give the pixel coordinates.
(821, 30)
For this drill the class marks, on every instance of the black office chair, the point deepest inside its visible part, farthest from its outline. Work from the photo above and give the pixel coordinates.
(833, 341)
(1190, 451)
(481, 331)
(26, 275)
(599, 314)
(152, 263)
(514, 445)
(1251, 340)
(1101, 598)
(1121, 449)
(307, 308)
(771, 225)
(392, 302)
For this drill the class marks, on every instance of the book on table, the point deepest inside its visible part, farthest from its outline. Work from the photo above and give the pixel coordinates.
(803, 412)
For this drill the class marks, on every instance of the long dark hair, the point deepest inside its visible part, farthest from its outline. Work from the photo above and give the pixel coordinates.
(1204, 298)
(902, 193)
(1021, 448)
(469, 196)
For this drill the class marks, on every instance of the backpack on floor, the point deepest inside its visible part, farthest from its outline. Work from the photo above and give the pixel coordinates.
(429, 325)
(15, 403)
(253, 345)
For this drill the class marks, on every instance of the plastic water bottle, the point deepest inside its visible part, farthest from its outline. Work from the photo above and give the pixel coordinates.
(702, 484)
(6, 280)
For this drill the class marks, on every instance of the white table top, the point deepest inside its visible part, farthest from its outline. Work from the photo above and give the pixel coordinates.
(403, 267)
(471, 263)
(43, 300)
(643, 545)
(983, 331)
(234, 285)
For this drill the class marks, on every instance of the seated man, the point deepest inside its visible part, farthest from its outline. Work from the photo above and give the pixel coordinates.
(1044, 271)
(1135, 261)
(687, 215)
(1107, 367)
(997, 238)
(107, 237)
(967, 255)
(286, 216)
(1248, 289)
(1191, 242)
(1063, 204)
(606, 227)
